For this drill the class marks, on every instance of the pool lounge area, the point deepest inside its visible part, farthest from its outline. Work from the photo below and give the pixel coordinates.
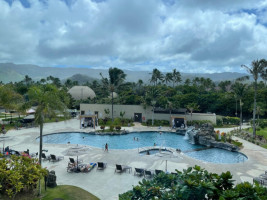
(107, 185)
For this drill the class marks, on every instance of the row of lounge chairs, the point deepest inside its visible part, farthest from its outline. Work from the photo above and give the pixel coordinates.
(262, 179)
(141, 172)
(73, 166)
(52, 157)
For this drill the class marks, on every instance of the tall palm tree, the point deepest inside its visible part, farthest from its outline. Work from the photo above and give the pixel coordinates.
(239, 90)
(156, 76)
(176, 77)
(168, 78)
(192, 107)
(116, 78)
(49, 102)
(257, 69)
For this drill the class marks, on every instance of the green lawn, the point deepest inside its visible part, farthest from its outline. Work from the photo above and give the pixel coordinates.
(66, 192)
(262, 132)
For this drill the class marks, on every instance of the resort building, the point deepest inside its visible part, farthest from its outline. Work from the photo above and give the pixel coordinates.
(139, 113)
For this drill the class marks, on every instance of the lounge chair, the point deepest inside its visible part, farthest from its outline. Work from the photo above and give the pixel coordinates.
(158, 171)
(263, 176)
(86, 167)
(55, 158)
(101, 165)
(74, 162)
(259, 180)
(149, 173)
(122, 168)
(139, 172)
(44, 157)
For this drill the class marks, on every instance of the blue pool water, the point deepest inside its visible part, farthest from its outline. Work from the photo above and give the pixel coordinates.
(165, 139)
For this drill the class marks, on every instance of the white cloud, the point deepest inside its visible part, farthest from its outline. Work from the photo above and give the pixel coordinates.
(190, 35)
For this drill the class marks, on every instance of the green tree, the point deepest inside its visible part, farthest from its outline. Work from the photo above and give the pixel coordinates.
(239, 90)
(49, 103)
(156, 76)
(257, 68)
(9, 99)
(192, 107)
(168, 78)
(116, 78)
(176, 77)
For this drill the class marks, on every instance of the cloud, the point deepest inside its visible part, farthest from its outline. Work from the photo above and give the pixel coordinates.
(190, 35)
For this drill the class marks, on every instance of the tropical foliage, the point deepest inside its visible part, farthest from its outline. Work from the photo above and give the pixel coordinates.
(19, 174)
(194, 183)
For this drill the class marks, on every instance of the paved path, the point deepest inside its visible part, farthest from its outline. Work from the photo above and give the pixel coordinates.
(106, 184)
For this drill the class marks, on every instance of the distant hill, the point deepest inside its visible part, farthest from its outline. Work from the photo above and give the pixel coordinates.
(81, 79)
(16, 72)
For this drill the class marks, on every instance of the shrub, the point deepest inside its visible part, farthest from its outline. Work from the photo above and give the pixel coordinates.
(261, 122)
(117, 121)
(102, 128)
(231, 120)
(118, 128)
(19, 174)
(198, 122)
(236, 143)
(194, 183)
(219, 122)
(111, 128)
(216, 137)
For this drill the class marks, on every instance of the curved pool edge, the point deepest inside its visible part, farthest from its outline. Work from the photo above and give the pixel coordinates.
(138, 149)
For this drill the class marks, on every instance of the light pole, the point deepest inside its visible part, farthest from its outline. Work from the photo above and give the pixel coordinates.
(235, 105)
(153, 104)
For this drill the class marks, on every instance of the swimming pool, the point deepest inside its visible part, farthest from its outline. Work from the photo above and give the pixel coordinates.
(143, 139)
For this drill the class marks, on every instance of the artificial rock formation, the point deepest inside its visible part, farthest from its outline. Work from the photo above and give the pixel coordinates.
(206, 136)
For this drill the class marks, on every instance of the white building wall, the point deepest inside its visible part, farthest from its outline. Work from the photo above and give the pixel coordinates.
(146, 113)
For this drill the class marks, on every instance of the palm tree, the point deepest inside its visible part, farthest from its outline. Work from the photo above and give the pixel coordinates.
(48, 100)
(168, 78)
(116, 78)
(156, 76)
(257, 69)
(260, 110)
(176, 77)
(239, 90)
(192, 107)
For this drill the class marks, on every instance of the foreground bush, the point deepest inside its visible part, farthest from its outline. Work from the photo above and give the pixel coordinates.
(19, 174)
(194, 184)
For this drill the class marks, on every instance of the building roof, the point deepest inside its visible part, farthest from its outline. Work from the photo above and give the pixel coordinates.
(173, 111)
(81, 92)
(115, 95)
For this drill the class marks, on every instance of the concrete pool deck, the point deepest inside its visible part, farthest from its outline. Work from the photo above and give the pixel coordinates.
(106, 184)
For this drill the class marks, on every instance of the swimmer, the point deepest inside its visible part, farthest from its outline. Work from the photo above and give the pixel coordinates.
(160, 132)
(134, 138)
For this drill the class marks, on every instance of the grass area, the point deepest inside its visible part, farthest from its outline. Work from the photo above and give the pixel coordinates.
(262, 132)
(66, 192)
(225, 126)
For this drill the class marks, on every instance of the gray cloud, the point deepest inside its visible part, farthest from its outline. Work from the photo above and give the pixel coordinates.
(190, 35)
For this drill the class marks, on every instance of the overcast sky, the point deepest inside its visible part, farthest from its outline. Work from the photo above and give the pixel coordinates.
(189, 35)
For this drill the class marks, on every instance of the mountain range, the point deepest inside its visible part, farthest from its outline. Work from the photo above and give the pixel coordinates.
(16, 72)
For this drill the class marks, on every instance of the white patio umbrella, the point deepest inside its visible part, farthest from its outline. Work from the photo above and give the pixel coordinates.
(77, 151)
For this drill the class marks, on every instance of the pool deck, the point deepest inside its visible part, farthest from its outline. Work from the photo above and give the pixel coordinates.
(106, 184)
